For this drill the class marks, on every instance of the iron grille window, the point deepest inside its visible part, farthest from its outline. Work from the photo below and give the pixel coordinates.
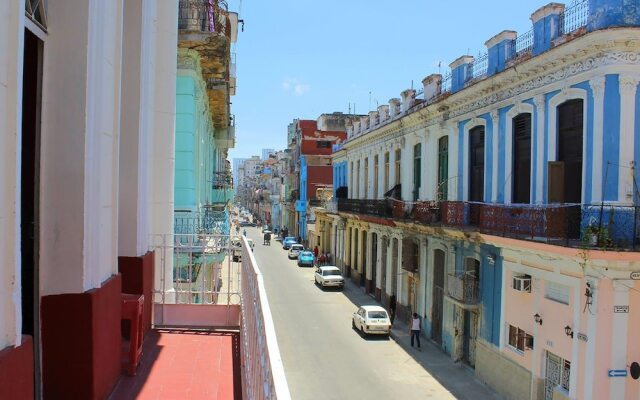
(323, 144)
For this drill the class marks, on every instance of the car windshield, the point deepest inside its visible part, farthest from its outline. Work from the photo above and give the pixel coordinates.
(377, 314)
(331, 272)
(306, 254)
(297, 247)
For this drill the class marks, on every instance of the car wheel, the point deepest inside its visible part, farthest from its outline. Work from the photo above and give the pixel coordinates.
(362, 331)
(353, 324)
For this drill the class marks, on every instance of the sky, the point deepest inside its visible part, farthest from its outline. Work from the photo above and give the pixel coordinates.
(302, 58)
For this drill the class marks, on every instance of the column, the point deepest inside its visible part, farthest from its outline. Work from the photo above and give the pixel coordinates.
(12, 34)
(538, 138)
(349, 168)
(495, 118)
(452, 184)
(378, 282)
(628, 89)
(425, 162)
(406, 168)
(619, 337)
(163, 141)
(403, 294)
(597, 87)
(136, 125)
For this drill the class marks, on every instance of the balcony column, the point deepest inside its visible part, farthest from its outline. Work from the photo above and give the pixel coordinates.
(403, 293)
(381, 188)
(422, 274)
(452, 183)
(628, 90)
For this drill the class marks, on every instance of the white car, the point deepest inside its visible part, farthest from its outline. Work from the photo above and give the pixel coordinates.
(294, 251)
(329, 276)
(372, 320)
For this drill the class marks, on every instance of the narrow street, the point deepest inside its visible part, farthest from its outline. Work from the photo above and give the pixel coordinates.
(323, 357)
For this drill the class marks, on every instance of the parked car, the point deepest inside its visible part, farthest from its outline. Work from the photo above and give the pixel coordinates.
(306, 259)
(295, 250)
(329, 276)
(287, 242)
(372, 320)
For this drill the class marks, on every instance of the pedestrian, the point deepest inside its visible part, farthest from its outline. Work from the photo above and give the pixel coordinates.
(392, 307)
(328, 258)
(315, 252)
(323, 259)
(415, 329)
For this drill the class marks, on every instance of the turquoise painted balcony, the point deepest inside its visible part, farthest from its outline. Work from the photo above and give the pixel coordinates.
(222, 196)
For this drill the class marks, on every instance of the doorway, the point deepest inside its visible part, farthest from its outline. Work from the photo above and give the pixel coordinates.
(363, 275)
(437, 305)
(521, 191)
(29, 195)
(383, 266)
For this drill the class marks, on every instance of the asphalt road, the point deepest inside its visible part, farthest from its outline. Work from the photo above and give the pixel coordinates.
(323, 357)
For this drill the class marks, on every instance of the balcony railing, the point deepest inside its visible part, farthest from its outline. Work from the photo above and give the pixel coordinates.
(203, 15)
(596, 225)
(206, 222)
(378, 208)
(464, 287)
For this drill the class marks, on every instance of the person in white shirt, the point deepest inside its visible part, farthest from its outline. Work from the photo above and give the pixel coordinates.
(415, 329)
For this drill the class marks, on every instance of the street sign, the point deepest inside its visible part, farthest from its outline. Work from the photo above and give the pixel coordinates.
(635, 275)
(617, 373)
(621, 309)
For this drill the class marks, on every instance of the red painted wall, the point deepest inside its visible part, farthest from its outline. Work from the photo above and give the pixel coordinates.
(16, 371)
(310, 140)
(81, 342)
(318, 176)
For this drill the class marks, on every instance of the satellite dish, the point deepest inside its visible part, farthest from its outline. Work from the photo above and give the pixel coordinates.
(635, 370)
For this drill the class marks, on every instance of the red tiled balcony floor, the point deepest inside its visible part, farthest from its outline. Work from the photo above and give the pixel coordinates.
(185, 365)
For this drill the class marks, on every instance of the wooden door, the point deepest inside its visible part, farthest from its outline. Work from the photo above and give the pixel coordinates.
(476, 164)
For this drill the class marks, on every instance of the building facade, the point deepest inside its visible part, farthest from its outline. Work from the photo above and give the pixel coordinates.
(499, 203)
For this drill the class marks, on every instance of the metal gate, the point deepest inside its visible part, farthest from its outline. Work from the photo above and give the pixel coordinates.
(557, 373)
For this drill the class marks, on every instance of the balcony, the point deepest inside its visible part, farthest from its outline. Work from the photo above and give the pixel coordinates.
(464, 288)
(204, 16)
(379, 208)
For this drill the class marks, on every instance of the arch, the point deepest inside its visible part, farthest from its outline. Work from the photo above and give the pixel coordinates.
(520, 108)
(471, 124)
(552, 129)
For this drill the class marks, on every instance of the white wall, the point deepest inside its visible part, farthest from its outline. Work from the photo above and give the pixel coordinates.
(11, 44)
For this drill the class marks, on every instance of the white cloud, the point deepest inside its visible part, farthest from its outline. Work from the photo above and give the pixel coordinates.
(295, 86)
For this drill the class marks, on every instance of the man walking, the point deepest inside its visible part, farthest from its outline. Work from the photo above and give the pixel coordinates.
(415, 329)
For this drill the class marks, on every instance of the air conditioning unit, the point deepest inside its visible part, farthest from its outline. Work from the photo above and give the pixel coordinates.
(522, 283)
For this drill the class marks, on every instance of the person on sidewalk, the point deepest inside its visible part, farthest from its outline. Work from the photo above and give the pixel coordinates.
(415, 329)
(392, 308)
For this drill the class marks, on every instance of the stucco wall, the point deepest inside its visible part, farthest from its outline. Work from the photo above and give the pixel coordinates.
(503, 375)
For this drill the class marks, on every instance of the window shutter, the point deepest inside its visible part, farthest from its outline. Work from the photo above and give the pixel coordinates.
(555, 188)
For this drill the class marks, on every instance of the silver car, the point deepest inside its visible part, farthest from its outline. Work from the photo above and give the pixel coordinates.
(294, 251)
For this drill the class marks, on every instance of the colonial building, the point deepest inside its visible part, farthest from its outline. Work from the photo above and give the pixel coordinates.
(500, 203)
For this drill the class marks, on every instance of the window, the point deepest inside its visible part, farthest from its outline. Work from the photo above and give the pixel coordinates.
(521, 159)
(376, 160)
(519, 339)
(556, 292)
(398, 159)
(366, 178)
(323, 144)
(386, 172)
(417, 158)
(358, 180)
(443, 167)
(476, 164)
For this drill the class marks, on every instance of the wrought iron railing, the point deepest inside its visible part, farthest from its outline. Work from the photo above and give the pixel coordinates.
(480, 66)
(574, 17)
(446, 83)
(203, 15)
(464, 287)
(209, 222)
(378, 208)
(523, 44)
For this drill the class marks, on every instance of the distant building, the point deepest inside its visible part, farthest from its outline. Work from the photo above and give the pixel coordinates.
(266, 153)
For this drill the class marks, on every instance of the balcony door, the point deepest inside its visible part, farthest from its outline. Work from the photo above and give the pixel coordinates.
(570, 132)
(476, 164)
(443, 168)
(521, 192)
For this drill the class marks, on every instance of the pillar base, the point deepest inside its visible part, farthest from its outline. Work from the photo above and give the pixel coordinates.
(81, 342)
(16, 371)
(137, 278)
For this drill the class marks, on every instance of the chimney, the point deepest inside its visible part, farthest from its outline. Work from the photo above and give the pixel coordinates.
(383, 111)
(408, 99)
(547, 21)
(501, 48)
(374, 119)
(461, 72)
(364, 123)
(432, 86)
(394, 107)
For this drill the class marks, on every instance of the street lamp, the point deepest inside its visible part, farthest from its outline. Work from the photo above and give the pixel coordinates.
(568, 331)
(538, 319)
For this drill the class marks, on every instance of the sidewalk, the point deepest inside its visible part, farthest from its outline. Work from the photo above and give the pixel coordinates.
(457, 378)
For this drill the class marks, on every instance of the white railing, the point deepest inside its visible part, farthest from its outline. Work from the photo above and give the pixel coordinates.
(263, 375)
(196, 285)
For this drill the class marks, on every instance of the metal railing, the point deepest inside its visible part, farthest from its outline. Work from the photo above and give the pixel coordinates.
(263, 374)
(380, 208)
(480, 66)
(464, 287)
(203, 15)
(523, 44)
(208, 222)
(574, 17)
